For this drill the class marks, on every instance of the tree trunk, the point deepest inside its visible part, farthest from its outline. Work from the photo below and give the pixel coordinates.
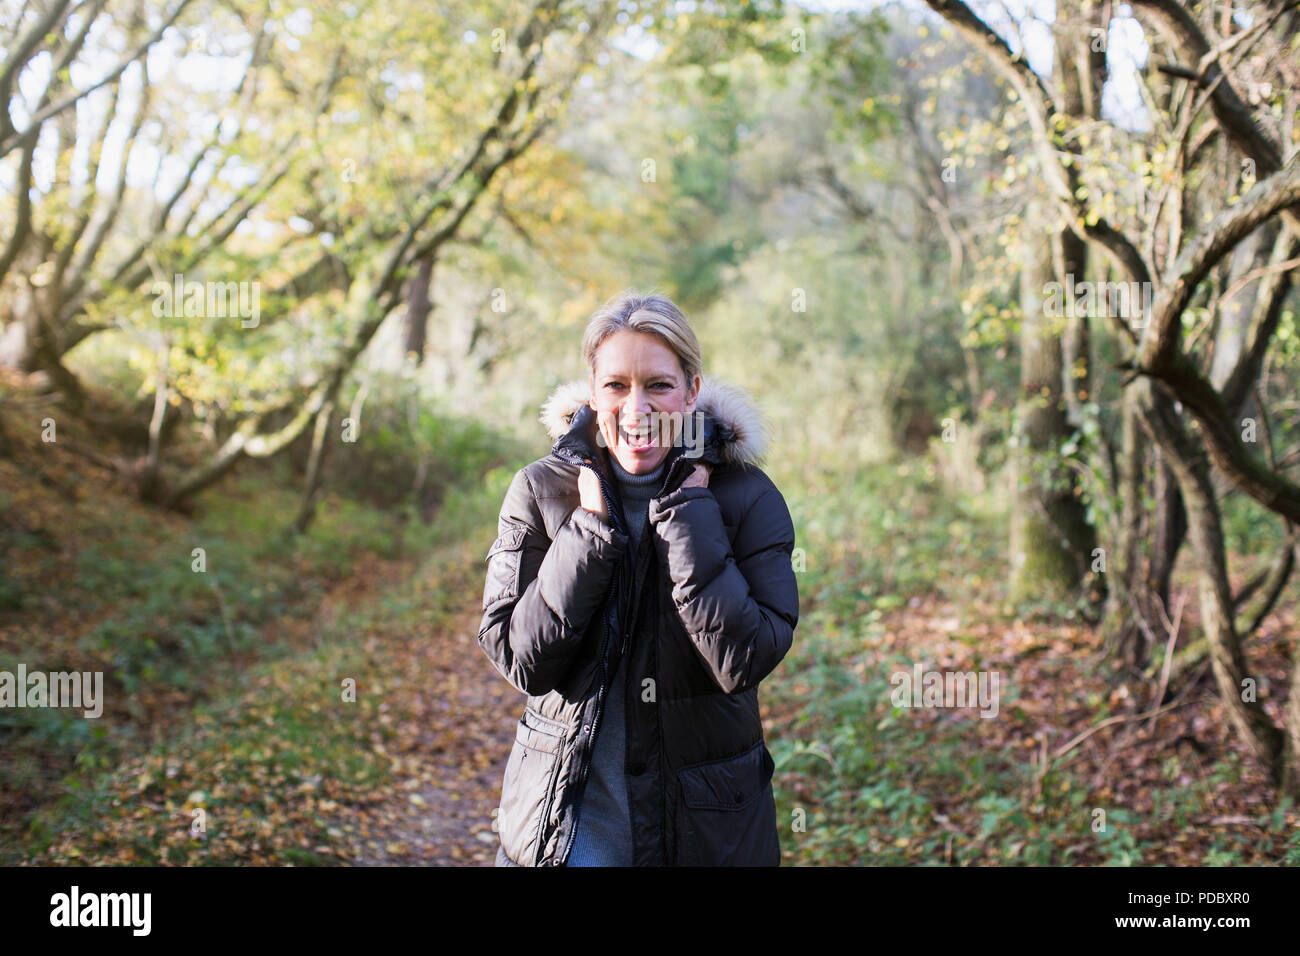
(1124, 639)
(1076, 343)
(149, 482)
(1291, 766)
(1192, 471)
(1051, 541)
(1170, 530)
(315, 466)
(1233, 317)
(417, 310)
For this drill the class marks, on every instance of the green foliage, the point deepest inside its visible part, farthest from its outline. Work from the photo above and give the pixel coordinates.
(883, 785)
(169, 637)
(1292, 857)
(1249, 529)
(1117, 841)
(406, 437)
(277, 752)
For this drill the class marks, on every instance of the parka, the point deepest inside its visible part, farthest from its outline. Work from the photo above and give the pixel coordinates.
(706, 608)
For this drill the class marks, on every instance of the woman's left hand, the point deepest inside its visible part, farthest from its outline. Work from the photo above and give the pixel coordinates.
(699, 478)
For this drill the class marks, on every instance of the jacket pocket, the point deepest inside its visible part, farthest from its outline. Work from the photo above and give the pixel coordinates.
(726, 815)
(503, 561)
(526, 789)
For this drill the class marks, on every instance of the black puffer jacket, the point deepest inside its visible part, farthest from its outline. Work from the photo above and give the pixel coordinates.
(707, 609)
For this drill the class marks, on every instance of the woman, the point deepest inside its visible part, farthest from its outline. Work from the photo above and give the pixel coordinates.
(639, 589)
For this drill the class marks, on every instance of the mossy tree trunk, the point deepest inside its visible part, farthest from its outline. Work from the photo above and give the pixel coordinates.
(1051, 541)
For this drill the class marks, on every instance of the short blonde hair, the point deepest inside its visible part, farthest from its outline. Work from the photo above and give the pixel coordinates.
(644, 312)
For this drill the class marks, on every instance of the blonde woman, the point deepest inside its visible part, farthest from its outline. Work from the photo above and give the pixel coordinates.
(639, 589)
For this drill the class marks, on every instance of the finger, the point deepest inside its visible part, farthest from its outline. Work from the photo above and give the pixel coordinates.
(608, 428)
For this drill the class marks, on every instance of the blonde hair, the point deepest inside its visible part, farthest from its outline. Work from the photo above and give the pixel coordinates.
(644, 312)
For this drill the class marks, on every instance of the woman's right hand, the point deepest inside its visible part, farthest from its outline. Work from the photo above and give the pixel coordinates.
(589, 493)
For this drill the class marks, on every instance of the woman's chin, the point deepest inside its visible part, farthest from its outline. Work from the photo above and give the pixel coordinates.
(639, 461)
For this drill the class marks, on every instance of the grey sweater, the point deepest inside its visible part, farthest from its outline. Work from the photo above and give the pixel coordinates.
(604, 835)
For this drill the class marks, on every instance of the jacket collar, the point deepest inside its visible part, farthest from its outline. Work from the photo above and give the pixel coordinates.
(732, 428)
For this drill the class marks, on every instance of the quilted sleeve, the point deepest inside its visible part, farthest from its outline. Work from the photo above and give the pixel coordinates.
(739, 609)
(540, 594)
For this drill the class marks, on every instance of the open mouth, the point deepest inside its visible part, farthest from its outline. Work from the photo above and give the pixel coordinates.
(637, 439)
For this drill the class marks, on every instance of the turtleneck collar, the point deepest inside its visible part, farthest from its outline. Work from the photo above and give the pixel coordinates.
(650, 478)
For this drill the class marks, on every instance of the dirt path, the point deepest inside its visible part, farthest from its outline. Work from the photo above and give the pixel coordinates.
(447, 780)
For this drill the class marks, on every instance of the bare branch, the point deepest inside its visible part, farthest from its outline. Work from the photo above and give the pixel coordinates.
(8, 142)
(1048, 124)
(1267, 198)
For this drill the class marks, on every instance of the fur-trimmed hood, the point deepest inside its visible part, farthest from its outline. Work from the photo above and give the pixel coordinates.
(737, 425)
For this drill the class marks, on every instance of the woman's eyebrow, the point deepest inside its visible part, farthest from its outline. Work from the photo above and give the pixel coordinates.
(653, 375)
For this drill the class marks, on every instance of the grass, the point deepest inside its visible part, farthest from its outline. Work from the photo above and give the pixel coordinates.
(862, 781)
(180, 613)
(279, 765)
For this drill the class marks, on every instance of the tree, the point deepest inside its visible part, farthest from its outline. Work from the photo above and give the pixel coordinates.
(331, 143)
(1163, 371)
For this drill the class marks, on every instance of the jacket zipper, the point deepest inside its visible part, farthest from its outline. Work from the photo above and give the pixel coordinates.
(604, 666)
(616, 520)
(595, 724)
(659, 728)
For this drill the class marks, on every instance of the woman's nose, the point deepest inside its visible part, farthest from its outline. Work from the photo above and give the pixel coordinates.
(638, 402)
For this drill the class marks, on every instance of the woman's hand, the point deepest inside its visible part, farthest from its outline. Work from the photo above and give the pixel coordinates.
(699, 478)
(590, 494)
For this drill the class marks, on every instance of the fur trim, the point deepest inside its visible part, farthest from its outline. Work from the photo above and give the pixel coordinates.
(729, 405)
(557, 413)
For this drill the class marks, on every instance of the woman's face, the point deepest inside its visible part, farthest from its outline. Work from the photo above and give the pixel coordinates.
(640, 396)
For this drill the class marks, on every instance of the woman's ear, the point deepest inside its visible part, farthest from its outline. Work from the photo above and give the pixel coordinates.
(694, 393)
